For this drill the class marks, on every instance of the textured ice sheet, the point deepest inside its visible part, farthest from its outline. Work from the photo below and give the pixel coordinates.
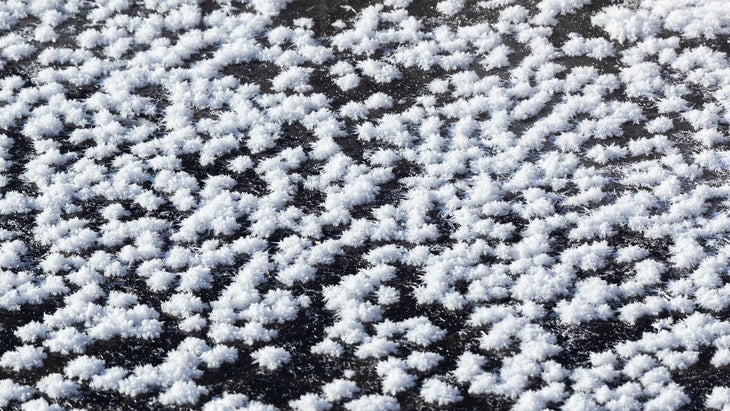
(275, 204)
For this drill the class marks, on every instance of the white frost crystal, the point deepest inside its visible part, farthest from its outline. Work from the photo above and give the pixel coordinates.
(439, 392)
(55, 386)
(10, 391)
(270, 357)
(182, 392)
(23, 357)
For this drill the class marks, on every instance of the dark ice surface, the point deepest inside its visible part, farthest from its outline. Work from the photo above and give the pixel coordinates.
(307, 373)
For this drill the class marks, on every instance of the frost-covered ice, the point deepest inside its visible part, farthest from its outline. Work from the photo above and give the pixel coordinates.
(364, 205)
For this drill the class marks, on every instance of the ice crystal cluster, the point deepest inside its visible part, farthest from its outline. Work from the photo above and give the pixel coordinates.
(364, 205)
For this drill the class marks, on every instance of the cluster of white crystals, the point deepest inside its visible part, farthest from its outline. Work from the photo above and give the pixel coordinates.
(364, 205)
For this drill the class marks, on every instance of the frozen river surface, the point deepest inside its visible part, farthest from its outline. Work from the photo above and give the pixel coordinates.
(363, 205)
